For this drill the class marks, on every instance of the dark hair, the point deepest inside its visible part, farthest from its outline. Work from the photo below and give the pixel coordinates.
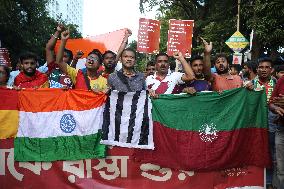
(238, 67)
(69, 53)
(265, 59)
(221, 55)
(252, 65)
(150, 63)
(98, 53)
(7, 70)
(129, 49)
(28, 55)
(279, 68)
(107, 52)
(195, 57)
(161, 54)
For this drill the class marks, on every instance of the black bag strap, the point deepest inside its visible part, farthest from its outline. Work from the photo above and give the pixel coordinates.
(124, 80)
(87, 81)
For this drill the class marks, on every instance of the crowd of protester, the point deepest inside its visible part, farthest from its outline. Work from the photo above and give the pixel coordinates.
(100, 75)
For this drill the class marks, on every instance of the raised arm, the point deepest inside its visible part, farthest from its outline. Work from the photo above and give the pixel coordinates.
(78, 55)
(189, 75)
(49, 48)
(128, 33)
(207, 59)
(59, 57)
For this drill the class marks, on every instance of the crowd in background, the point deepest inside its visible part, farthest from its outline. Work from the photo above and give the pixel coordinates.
(101, 74)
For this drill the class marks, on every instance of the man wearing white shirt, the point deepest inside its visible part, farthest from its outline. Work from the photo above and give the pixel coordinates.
(163, 82)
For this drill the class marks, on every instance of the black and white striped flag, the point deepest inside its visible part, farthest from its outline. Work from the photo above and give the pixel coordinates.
(128, 120)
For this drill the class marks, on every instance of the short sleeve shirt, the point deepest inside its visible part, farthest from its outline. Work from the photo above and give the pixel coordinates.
(166, 85)
(118, 81)
(99, 84)
(226, 82)
(56, 78)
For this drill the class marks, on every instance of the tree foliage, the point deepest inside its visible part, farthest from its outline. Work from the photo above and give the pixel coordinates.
(216, 21)
(26, 26)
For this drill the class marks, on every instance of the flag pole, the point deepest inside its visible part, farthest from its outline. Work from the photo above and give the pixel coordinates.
(238, 15)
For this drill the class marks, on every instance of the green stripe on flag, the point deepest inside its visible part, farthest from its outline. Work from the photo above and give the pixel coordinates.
(233, 109)
(59, 148)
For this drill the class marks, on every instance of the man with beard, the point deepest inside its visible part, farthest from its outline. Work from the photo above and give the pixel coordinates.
(163, 82)
(249, 71)
(202, 71)
(88, 78)
(110, 59)
(29, 77)
(127, 79)
(223, 80)
(202, 74)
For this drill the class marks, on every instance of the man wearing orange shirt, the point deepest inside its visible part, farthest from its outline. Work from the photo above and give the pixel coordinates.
(223, 80)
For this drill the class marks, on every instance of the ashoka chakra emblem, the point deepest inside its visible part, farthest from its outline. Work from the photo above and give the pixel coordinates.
(208, 132)
(67, 123)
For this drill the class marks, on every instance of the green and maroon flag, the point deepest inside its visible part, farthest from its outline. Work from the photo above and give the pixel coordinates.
(209, 131)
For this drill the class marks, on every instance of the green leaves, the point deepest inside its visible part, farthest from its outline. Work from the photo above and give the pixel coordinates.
(216, 21)
(26, 26)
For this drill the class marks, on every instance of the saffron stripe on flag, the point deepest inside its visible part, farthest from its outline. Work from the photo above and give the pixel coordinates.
(62, 126)
(48, 100)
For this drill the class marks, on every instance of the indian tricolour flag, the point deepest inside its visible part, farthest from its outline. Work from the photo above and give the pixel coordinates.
(209, 131)
(59, 125)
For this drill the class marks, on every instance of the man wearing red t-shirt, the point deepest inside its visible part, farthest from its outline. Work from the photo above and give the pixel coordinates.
(277, 105)
(30, 77)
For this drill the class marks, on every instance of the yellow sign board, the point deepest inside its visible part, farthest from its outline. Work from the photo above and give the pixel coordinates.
(237, 42)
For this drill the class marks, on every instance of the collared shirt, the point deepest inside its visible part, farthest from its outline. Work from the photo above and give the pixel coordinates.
(166, 85)
(118, 81)
(226, 82)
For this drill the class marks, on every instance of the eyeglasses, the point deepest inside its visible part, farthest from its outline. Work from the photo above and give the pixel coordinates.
(92, 59)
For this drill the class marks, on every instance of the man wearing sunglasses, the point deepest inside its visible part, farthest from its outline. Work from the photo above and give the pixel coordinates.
(88, 78)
